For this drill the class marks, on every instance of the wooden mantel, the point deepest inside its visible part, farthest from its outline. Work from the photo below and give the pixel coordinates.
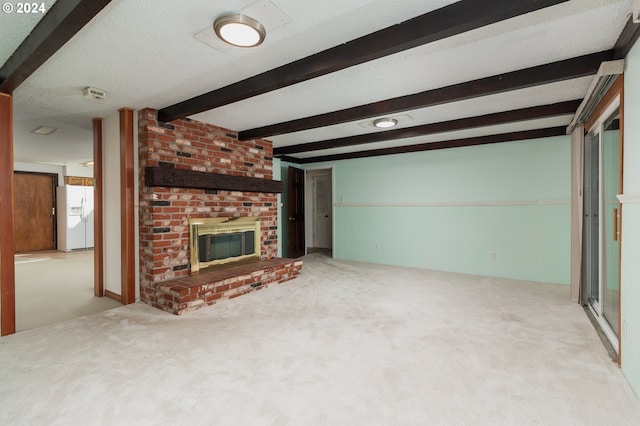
(182, 178)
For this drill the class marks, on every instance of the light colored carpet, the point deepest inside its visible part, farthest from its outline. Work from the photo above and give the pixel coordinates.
(52, 286)
(344, 344)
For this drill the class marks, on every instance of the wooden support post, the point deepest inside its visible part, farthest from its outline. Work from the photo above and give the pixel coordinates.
(7, 266)
(98, 236)
(127, 206)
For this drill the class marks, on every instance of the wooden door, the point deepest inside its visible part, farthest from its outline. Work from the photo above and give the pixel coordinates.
(296, 212)
(34, 220)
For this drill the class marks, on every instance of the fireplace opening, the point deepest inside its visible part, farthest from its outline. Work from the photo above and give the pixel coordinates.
(220, 241)
(223, 246)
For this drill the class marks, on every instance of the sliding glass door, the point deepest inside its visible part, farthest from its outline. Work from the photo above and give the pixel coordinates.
(601, 249)
(610, 291)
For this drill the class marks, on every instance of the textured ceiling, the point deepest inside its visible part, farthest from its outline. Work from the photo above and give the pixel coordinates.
(150, 53)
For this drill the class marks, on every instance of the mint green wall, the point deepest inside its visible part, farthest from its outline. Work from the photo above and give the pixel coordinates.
(529, 241)
(449, 209)
(630, 269)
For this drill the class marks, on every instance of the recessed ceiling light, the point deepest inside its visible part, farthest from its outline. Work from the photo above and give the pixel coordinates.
(239, 30)
(384, 123)
(44, 130)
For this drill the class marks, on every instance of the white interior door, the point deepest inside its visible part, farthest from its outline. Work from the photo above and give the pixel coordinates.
(322, 211)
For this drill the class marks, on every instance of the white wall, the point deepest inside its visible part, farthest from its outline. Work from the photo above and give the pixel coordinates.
(40, 168)
(111, 194)
(111, 203)
(61, 171)
(75, 170)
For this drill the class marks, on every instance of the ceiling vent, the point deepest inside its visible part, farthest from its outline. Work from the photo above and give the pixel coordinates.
(44, 130)
(607, 74)
(94, 93)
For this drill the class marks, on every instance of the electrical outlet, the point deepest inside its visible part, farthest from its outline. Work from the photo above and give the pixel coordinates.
(492, 255)
(377, 246)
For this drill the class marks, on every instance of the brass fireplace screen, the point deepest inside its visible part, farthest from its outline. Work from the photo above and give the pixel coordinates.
(222, 240)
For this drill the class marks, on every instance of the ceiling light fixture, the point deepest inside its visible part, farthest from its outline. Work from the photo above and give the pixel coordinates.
(239, 30)
(385, 123)
(44, 130)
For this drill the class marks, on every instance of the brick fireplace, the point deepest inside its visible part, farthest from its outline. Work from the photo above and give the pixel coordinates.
(184, 166)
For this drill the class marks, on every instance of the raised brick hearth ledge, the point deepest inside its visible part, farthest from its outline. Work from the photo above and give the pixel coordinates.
(187, 294)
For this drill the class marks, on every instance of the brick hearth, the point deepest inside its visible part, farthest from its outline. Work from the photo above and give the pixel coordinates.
(190, 293)
(165, 211)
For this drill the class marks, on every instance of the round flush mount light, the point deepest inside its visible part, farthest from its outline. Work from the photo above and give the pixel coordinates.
(239, 30)
(385, 123)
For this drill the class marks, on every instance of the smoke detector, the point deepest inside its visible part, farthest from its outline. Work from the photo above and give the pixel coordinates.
(94, 93)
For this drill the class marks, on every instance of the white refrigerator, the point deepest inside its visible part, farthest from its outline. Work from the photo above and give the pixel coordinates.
(75, 217)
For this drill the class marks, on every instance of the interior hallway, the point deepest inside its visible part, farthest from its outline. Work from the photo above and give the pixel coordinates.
(345, 343)
(53, 286)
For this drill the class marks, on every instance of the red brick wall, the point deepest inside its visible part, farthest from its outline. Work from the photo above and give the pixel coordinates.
(164, 212)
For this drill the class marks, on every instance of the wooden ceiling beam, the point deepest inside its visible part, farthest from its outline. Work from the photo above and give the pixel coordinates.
(445, 22)
(455, 143)
(61, 22)
(531, 113)
(542, 74)
(628, 37)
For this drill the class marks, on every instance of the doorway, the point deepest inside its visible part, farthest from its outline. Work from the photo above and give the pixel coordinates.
(53, 279)
(319, 208)
(602, 220)
(34, 218)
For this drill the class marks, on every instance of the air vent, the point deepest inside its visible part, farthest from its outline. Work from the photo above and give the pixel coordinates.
(94, 93)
